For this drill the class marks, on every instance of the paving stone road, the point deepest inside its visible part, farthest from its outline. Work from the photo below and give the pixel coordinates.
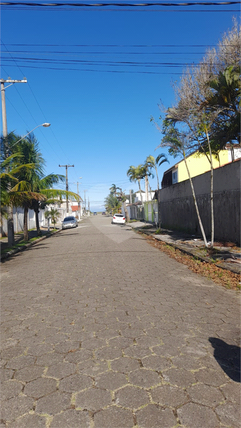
(101, 330)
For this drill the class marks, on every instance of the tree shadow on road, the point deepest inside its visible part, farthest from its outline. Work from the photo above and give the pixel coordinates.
(228, 357)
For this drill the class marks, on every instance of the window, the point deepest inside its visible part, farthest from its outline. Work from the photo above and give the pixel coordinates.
(174, 177)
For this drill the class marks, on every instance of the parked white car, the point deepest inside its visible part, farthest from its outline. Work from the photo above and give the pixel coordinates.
(118, 219)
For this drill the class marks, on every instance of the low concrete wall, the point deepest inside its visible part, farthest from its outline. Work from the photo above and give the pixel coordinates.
(177, 211)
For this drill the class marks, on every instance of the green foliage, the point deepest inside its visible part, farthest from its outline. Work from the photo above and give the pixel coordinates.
(52, 214)
(158, 231)
(112, 204)
(22, 177)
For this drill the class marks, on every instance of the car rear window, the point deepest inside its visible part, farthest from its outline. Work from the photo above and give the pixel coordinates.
(118, 215)
(68, 218)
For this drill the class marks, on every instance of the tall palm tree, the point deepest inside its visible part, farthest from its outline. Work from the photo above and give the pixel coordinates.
(27, 191)
(9, 169)
(29, 187)
(152, 162)
(35, 187)
(136, 174)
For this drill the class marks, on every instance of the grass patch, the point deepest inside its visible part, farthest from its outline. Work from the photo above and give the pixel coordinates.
(158, 231)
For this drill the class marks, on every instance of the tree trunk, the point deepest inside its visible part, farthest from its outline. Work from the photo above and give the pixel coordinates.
(146, 187)
(36, 211)
(126, 212)
(157, 178)
(25, 224)
(195, 202)
(10, 226)
(211, 191)
(140, 192)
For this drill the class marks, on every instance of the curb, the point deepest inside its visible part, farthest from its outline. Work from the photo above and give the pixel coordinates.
(189, 252)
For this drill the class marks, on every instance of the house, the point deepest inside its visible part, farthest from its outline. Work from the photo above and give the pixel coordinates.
(199, 164)
(145, 197)
(74, 208)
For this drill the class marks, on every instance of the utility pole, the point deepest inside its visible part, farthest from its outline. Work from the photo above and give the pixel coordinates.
(130, 197)
(4, 114)
(67, 185)
(85, 200)
(79, 200)
(5, 134)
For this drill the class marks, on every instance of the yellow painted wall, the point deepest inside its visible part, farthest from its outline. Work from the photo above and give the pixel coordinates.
(198, 164)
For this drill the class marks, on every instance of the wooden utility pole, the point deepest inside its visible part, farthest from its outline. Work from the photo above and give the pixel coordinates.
(67, 185)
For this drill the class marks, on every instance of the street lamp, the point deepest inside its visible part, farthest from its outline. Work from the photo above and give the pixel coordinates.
(45, 125)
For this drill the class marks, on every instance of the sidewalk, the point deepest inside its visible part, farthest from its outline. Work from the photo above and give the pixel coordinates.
(18, 238)
(226, 256)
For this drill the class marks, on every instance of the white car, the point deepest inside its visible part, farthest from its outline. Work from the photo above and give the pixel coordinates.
(118, 219)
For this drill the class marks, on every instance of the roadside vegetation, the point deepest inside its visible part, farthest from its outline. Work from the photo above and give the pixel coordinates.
(209, 270)
(23, 182)
(21, 243)
(206, 115)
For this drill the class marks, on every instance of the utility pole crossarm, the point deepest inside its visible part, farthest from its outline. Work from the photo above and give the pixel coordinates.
(13, 81)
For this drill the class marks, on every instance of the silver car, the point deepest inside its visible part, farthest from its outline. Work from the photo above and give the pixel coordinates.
(69, 222)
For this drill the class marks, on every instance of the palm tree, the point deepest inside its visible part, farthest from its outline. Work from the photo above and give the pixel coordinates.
(113, 189)
(53, 214)
(152, 162)
(10, 169)
(136, 174)
(44, 186)
(27, 191)
(22, 171)
(36, 187)
(225, 98)
(112, 204)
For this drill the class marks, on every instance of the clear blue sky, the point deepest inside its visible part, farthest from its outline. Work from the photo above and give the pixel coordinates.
(97, 75)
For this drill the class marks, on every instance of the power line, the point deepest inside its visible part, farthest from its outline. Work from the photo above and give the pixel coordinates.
(97, 71)
(106, 45)
(120, 5)
(97, 62)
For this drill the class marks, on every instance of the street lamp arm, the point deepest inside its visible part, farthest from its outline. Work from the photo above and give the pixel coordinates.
(46, 125)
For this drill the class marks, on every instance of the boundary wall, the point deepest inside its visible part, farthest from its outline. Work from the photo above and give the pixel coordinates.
(176, 208)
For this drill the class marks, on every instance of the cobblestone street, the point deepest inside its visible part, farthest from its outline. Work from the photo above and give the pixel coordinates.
(101, 330)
